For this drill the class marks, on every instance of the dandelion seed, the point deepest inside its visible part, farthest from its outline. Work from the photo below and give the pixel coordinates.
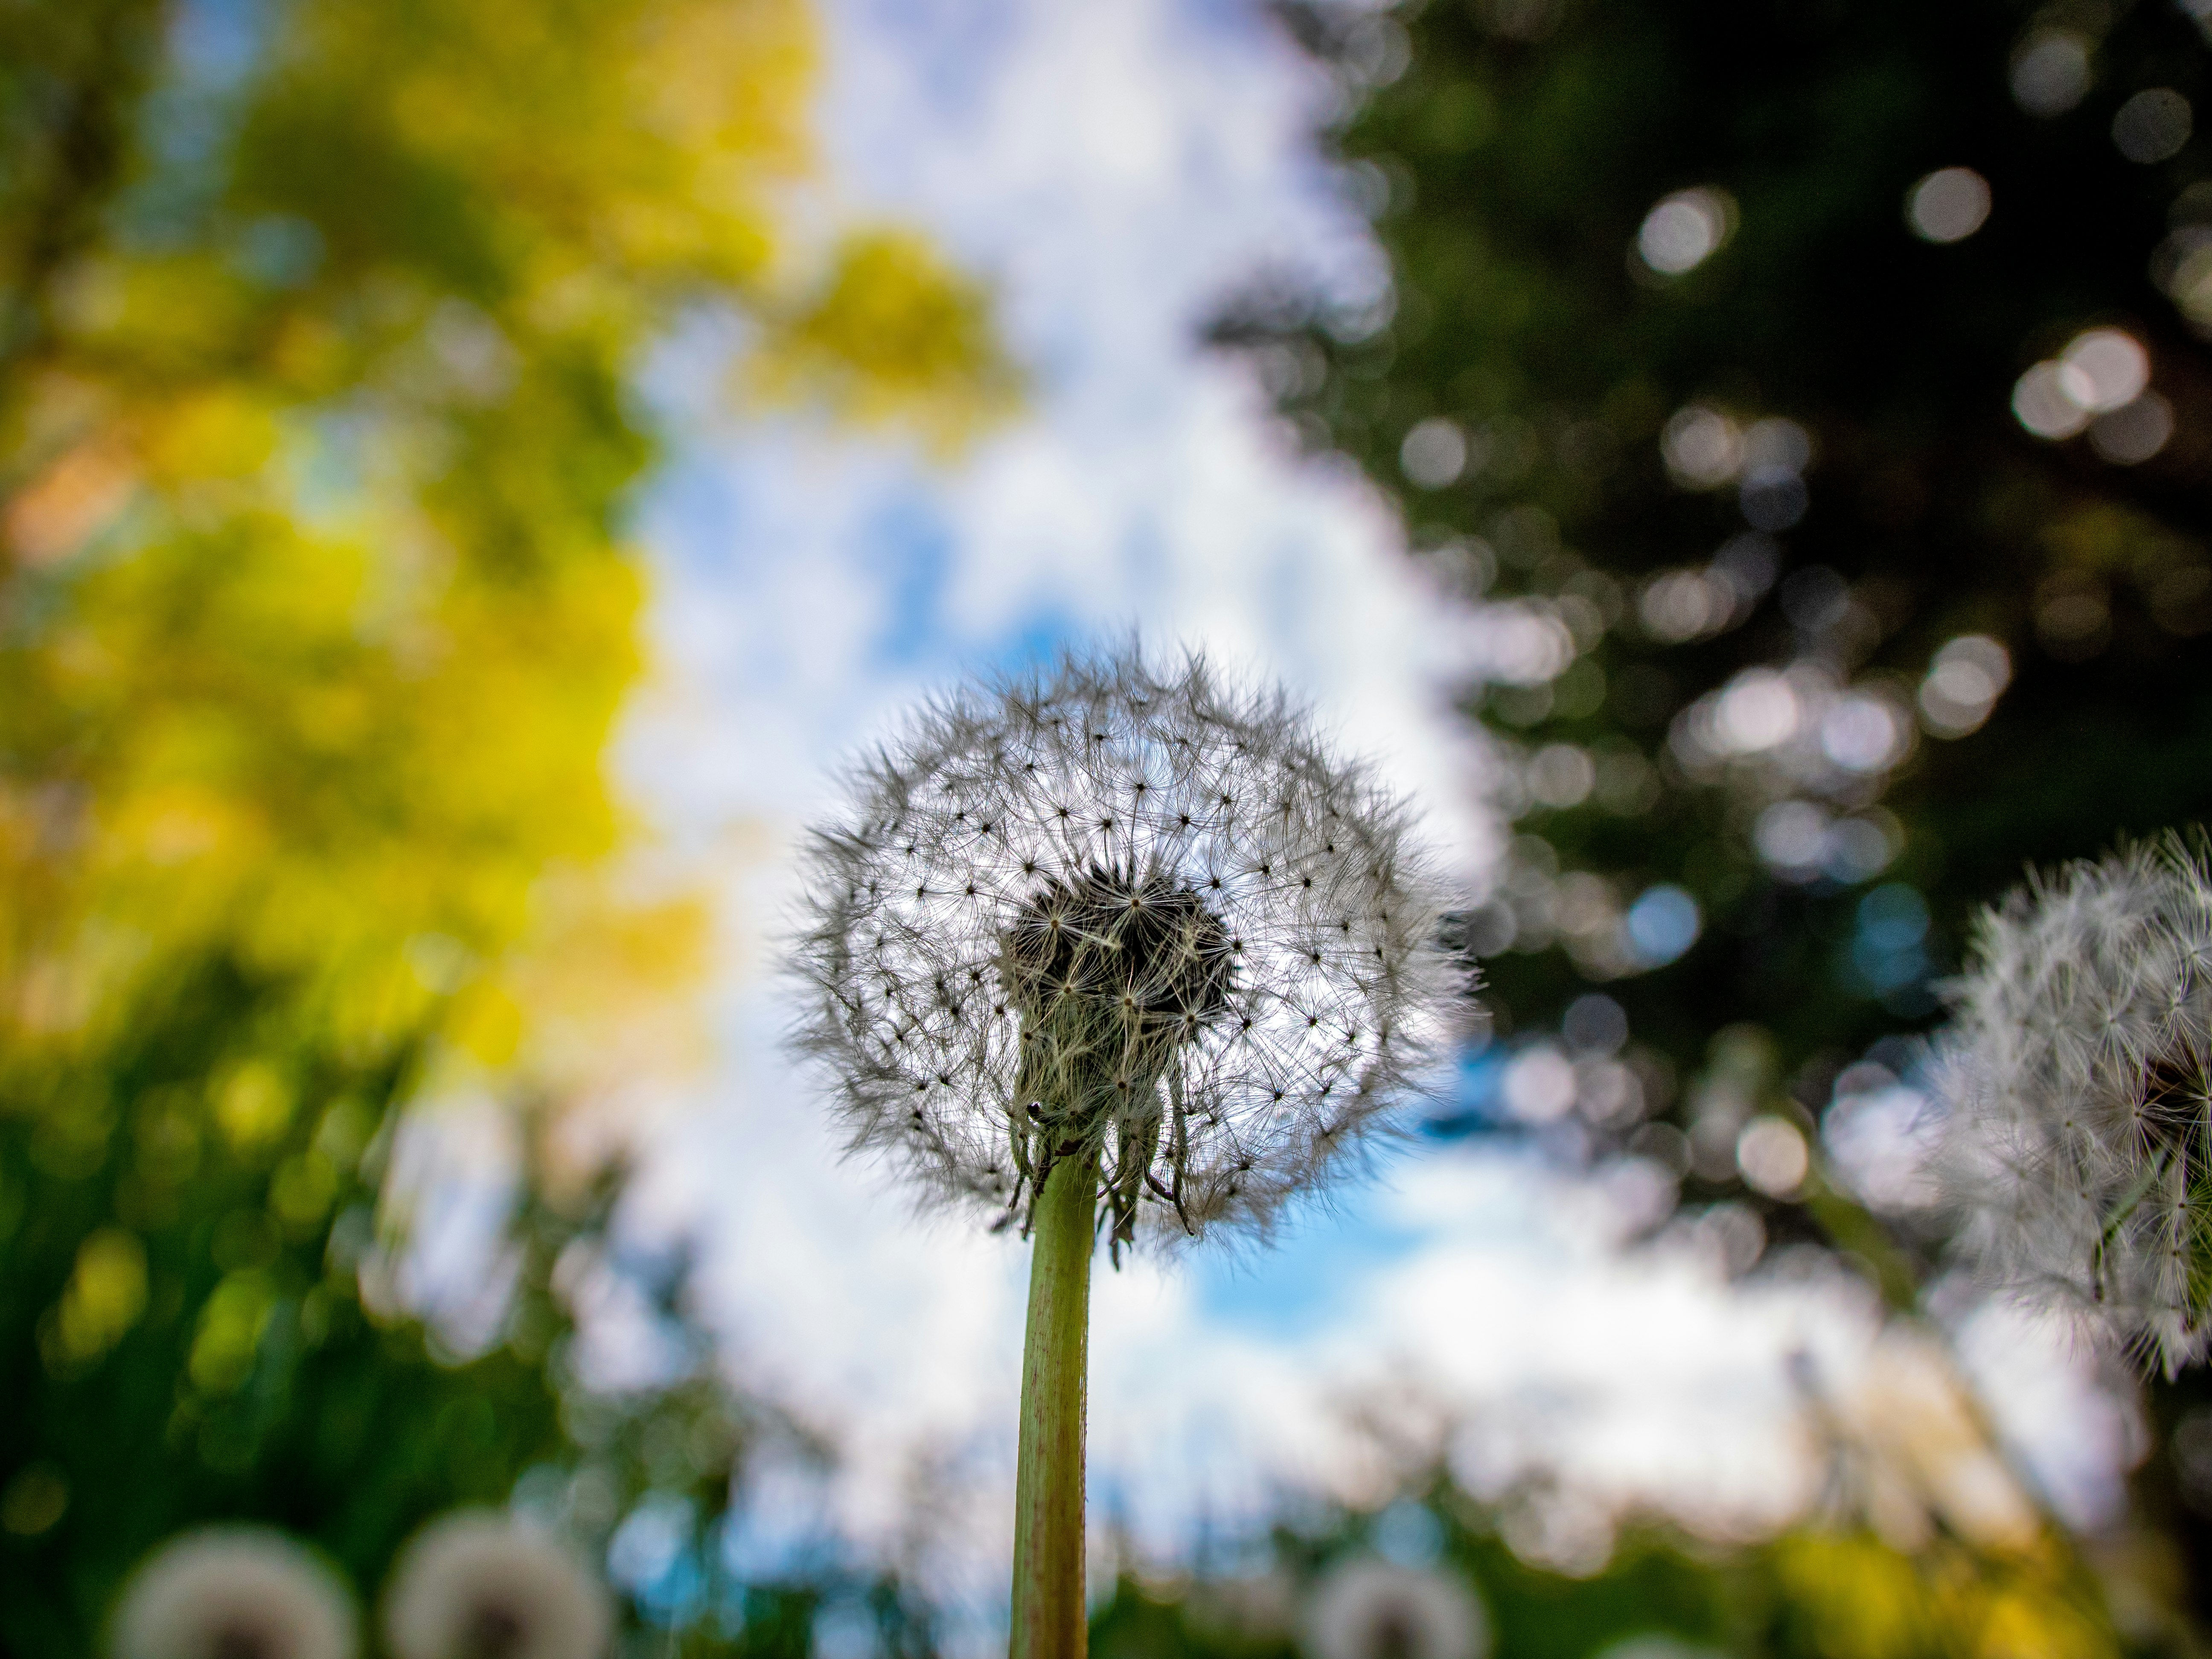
(479, 1584)
(2078, 1075)
(235, 1593)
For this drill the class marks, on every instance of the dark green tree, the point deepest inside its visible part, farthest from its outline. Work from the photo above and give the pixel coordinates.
(1778, 371)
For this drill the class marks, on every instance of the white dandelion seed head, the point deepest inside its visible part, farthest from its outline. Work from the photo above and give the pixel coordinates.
(2077, 1073)
(1115, 912)
(1372, 1609)
(479, 1584)
(234, 1592)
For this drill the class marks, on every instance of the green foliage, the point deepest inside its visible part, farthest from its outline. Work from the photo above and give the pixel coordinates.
(185, 1336)
(319, 327)
(1814, 1593)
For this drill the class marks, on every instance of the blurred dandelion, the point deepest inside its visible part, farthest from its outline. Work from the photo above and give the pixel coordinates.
(477, 1584)
(1372, 1609)
(235, 1593)
(1113, 950)
(2078, 1074)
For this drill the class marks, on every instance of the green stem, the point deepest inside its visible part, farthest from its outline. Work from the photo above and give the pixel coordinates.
(1048, 1610)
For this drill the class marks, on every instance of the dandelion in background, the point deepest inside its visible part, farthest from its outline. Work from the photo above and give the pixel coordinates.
(235, 1593)
(1371, 1609)
(1113, 950)
(479, 1584)
(2078, 1075)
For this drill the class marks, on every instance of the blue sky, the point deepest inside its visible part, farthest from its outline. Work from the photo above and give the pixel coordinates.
(1115, 171)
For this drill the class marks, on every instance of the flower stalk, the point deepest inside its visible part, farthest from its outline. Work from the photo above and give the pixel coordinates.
(1049, 1613)
(1111, 950)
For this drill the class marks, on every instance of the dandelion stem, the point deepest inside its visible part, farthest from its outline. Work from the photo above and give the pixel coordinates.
(1048, 1620)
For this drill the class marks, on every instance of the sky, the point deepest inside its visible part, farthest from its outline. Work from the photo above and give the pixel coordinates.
(1115, 172)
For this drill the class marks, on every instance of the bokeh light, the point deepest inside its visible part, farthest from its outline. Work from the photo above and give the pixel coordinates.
(1865, 733)
(1685, 230)
(1948, 205)
(2050, 72)
(1664, 923)
(2182, 266)
(1757, 710)
(2133, 433)
(1771, 1151)
(2153, 126)
(1702, 448)
(1792, 838)
(1771, 491)
(2042, 402)
(1561, 775)
(2102, 368)
(1965, 679)
(1539, 1084)
(1434, 454)
(1882, 1138)
(2101, 372)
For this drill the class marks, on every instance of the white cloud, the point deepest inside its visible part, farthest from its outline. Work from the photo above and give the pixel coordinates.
(1118, 169)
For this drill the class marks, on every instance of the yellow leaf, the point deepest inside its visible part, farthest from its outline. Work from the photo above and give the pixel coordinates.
(254, 1104)
(104, 1298)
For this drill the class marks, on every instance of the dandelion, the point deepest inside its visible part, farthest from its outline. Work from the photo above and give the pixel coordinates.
(2078, 1075)
(235, 1593)
(479, 1584)
(1117, 952)
(1370, 1609)
(1139, 920)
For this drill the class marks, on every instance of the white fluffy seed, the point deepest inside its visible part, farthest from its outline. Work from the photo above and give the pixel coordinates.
(2077, 1074)
(1113, 911)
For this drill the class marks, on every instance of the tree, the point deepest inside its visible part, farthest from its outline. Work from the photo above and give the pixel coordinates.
(1817, 393)
(319, 324)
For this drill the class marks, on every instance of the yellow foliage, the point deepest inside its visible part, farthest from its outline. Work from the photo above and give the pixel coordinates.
(301, 1192)
(34, 1500)
(254, 1104)
(219, 432)
(893, 330)
(231, 1323)
(102, 1301)
(1862, 1599)
(311, 539)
